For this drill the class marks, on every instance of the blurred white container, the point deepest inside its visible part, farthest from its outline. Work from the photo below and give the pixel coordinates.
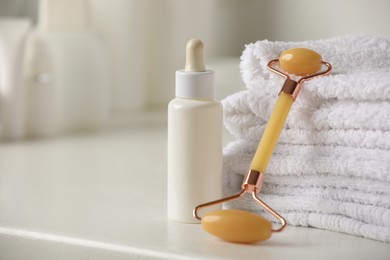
(42, 108)
(13, 34)
(124, 27)
(68, 71)
(81, 78)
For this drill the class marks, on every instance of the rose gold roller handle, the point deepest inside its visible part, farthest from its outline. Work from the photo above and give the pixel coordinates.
(300, 61)
(287, 96)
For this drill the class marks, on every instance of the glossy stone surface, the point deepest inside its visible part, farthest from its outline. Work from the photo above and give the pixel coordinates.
(300, 61)
(237, 226)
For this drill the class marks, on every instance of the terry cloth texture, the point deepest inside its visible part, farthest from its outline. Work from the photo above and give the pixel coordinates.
(331, 167)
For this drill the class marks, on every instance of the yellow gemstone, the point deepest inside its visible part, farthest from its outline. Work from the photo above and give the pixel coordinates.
(237, 226)
(300, 61)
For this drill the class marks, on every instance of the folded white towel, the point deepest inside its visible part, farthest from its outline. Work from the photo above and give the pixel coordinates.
(348, 107)
(330, 114)
(361, 68)
(331, 167)
(330, 187)
(341, 122)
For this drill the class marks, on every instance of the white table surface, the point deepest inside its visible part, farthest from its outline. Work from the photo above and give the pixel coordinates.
(103, 196)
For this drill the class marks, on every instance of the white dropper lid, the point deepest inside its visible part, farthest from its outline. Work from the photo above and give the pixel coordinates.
(195, 56)
(195, 81)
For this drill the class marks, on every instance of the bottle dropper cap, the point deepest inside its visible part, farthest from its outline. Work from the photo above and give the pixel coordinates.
(195, 56)
(195, 81)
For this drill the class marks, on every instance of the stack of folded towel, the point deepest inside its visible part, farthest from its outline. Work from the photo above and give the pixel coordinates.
(331, 167)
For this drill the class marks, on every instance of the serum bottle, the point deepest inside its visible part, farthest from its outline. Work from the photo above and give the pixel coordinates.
(194, 138)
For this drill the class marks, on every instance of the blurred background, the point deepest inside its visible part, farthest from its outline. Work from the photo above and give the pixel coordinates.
(142, 43)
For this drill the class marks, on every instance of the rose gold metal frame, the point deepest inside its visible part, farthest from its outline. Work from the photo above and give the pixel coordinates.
(253, 180)
(293, 87)
(252, 183)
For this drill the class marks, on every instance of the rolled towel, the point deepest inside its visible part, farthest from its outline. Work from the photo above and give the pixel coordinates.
(340, 122)
(330, 187)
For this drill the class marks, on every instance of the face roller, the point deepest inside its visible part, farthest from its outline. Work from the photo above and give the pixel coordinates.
(246, 227)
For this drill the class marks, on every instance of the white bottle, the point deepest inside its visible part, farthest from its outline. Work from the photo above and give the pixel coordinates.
(68, 68)
(13, 35)
(43, 95)
(194, 138)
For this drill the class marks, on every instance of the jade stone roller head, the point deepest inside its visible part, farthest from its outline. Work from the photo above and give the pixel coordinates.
(245, 227)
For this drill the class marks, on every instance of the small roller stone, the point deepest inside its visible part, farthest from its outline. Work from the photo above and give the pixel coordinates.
(237, 226)
(300, 61)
